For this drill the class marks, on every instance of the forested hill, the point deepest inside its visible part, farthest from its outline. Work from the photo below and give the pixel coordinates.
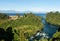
(28, 23)
(53, 18)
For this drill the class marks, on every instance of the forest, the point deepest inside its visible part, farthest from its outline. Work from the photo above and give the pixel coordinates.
(29, 23)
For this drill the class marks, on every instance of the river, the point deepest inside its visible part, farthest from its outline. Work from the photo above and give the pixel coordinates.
(48, 28)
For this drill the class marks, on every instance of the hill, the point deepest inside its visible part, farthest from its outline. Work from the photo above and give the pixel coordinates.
(53, 18)
(29, 23)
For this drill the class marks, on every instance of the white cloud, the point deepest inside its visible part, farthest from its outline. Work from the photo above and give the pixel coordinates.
(35, 9)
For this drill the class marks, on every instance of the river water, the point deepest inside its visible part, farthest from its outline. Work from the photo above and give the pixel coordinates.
(49, 28)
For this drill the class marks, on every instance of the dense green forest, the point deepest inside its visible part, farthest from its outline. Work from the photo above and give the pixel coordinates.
(53, 18)
(29, 23)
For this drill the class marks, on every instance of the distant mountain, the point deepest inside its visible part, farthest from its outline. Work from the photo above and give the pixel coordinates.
(12, 11)
(9, 11)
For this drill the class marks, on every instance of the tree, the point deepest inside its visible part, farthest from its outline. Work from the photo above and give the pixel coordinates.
(25, 15)
(17, 14)
(3, 16)
(56, 36)
(53, 18)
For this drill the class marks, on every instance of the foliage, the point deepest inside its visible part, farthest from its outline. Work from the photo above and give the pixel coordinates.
(53, 18)
(3, 16)
(57, 34)
(17, 14)
(29, 24)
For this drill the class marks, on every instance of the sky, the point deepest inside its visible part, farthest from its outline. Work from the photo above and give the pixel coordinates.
(30, 5)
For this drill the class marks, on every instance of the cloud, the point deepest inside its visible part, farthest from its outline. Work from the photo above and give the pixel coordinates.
(32, 9)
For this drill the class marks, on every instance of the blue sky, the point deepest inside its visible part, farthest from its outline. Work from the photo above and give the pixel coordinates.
(30, 5)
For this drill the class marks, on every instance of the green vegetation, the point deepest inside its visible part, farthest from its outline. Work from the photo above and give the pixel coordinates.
(53, 18)
(29, 23)
(57, 34)
(17, 14)
(3, 16)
